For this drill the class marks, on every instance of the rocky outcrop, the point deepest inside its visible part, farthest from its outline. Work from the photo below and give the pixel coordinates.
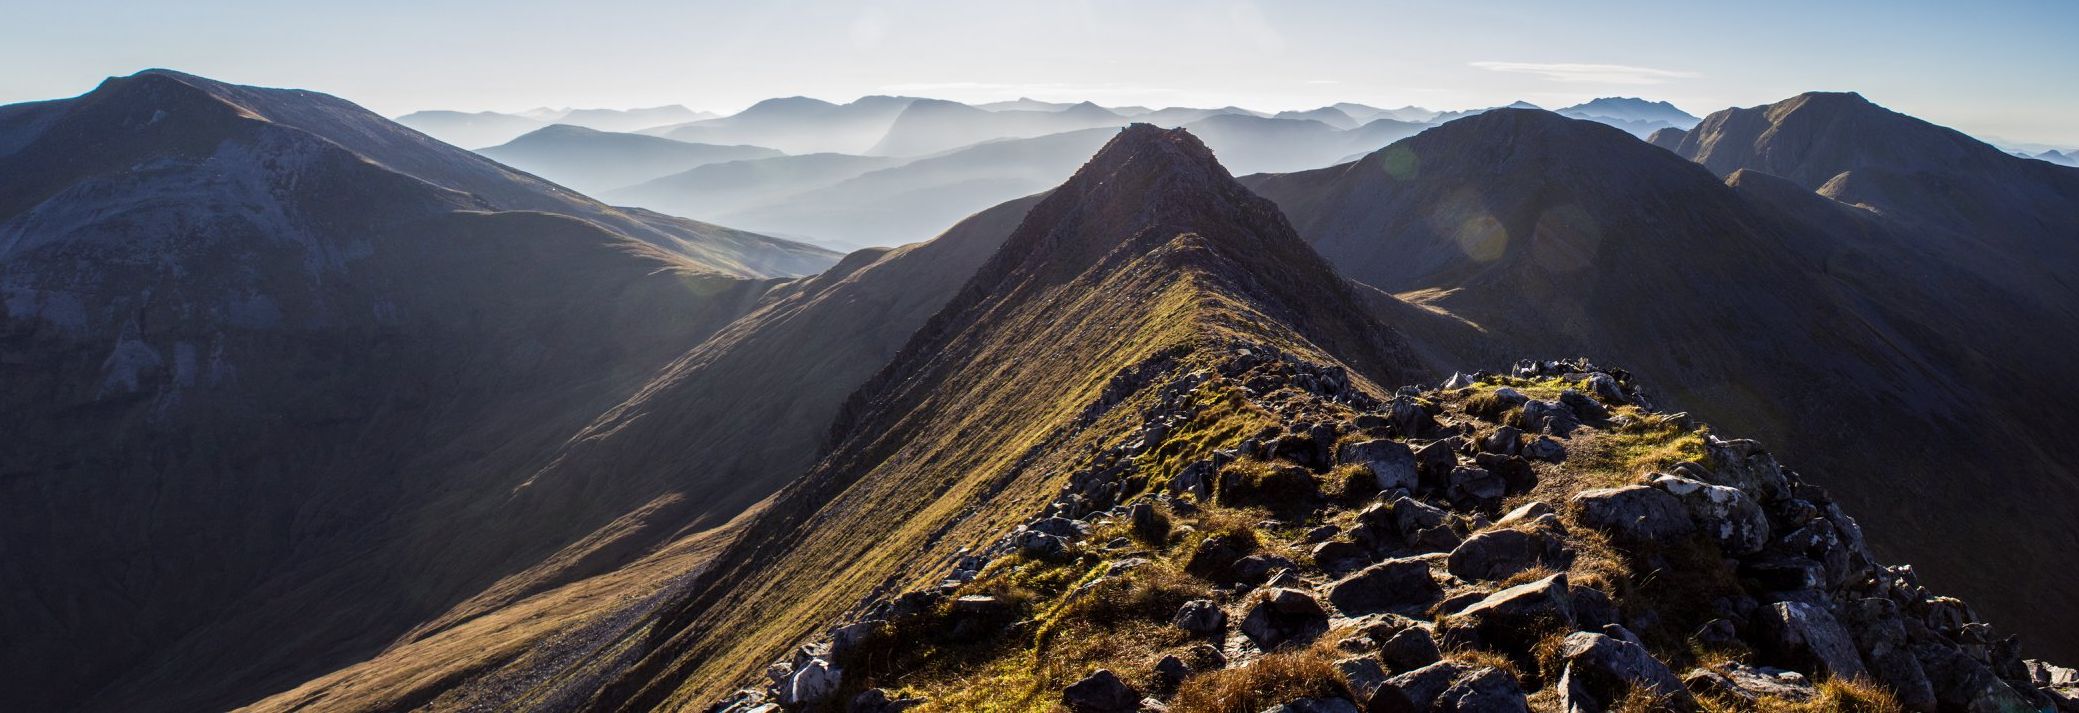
(1775, 573)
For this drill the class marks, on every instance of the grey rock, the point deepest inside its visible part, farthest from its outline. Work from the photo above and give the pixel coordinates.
(1507, 440)
(1101, 692)
(1364, 674)
(1501, 553)
(1392, 464)
(1414, 691)
(812, 684)
(1550, 416)
(1282, 616)
(1634, 513)
(1200, 616)
(1483, 690)
(1962, 683)
(1583, 405)
(1807, 638)
(1749, 684)
(1410, 649)
(1725, 514)
(1525, 513)
(1475, 486)
(1514, 618)
(1545, 449)
(1392, 585)
(1606, 668)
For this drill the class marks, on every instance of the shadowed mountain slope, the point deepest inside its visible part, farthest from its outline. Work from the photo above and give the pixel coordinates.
(1856, 341)
(1149, 261)
(722, 427)
(245, 347)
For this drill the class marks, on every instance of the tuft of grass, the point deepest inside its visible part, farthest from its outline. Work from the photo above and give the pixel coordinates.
(1265, 483)
(1836, 695)
(1271, 680)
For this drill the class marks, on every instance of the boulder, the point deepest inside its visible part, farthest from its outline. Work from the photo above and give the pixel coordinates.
(1525, 513)
(1962, 683)
(812, 684)
(1392, 585)
(1392, 464)
(1410, 649)
(1101, 692)
(1282, 616)
(1550, 417)
(1585, 406)
(1364, 674)
(1514, 619)
(1807, 638)
(1545, 449)
(1603, 669)
(1200, 616)
(1215, 557)
(1501, 553)
(1474, 487)
(1634, 513)
(1749, 684)
(1507, 440)
(1724, 514)
(1435, 461)
(1483, 690)
(1414, 691)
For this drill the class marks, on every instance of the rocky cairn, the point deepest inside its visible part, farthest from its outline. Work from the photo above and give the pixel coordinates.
(1540, 539)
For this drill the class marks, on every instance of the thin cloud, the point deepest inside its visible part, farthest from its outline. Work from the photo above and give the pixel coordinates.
(1597, 73)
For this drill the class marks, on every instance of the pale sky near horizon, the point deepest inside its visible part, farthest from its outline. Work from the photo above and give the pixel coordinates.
(2006, 70)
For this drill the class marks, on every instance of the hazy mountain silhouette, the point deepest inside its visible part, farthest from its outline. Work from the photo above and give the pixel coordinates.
(797, 125)
(930, 126)
(595, 161)
(471, 129)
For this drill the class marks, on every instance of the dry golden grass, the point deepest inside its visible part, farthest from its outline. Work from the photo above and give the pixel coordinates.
(1858, 695)
(1268, 681)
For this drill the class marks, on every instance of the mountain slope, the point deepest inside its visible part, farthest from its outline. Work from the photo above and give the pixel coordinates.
(594, 161)
(1855, 152)
(723, 426)
(245, 348)
(1148, 261)
(1749, 302)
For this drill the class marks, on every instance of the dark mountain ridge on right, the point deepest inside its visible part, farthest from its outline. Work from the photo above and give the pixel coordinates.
(1914, 377)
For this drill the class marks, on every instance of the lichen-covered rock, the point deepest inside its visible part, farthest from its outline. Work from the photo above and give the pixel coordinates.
(812, 684)
(1724, 514)
(1414, 691)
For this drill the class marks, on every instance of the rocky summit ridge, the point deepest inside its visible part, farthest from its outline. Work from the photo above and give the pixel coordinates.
(1541, 539)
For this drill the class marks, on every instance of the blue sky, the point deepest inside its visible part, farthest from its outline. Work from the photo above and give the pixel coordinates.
(2000, 69)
